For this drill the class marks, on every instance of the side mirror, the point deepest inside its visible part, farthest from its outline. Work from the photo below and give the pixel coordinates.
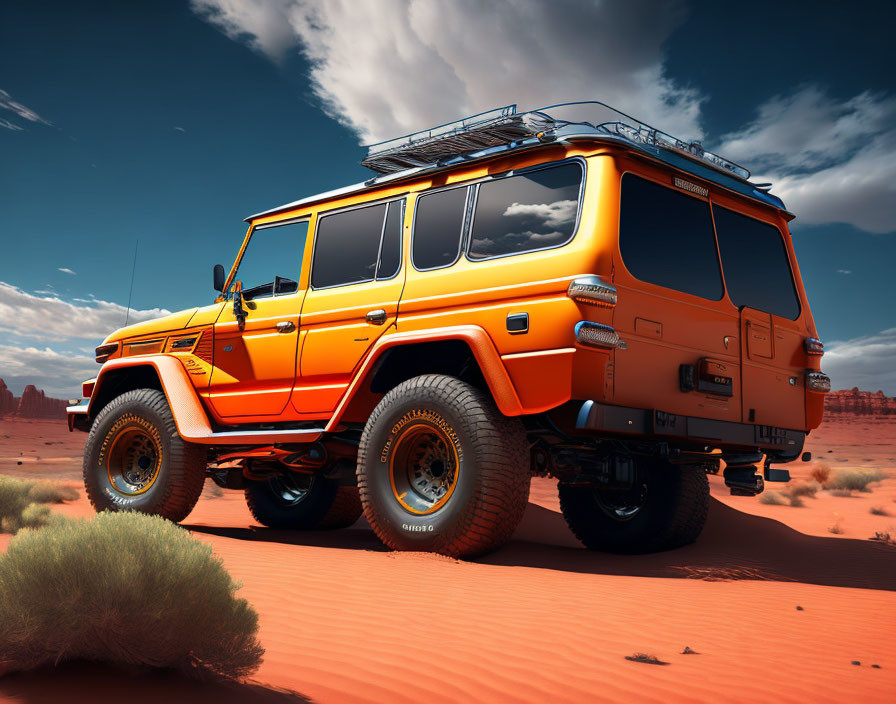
(219, 277)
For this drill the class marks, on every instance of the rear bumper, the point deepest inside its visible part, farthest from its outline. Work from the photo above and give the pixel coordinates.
(620, 420)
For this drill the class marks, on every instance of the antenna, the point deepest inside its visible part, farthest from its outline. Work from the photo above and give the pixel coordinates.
(131, 292)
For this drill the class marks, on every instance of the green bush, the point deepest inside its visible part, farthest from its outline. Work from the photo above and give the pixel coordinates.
(854, 479)
(126, 589)
(21, 502)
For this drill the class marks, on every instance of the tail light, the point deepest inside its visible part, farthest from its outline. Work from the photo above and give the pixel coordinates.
(816, 381)
(592, 290)
(598, 335)
(814, 346)
(103, 352)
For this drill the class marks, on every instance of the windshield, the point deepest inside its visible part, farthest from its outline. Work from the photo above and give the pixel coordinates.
(272, 261)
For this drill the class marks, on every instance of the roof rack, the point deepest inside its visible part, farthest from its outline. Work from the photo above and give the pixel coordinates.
(492, 128)
(505, 127)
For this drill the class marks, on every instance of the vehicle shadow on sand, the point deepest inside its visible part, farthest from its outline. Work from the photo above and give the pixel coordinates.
(734, 545)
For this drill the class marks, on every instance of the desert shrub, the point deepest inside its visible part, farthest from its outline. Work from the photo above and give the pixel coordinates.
(772, 498)
(795, 500)
(836, 528)
(880, 511)
(820, 472)
(21, 502)
(841, 492)
(884, 537)
(126, 589)
(854, 479)
(803, 489)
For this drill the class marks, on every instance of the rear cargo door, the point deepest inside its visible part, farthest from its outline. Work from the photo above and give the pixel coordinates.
(760, 283)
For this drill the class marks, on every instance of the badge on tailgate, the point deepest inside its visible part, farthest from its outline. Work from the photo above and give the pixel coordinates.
(714, 377)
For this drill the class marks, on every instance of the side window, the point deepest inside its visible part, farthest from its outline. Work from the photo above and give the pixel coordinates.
(666, 238)
(754, 259)
(535, 210)
(437, 228)
(346, 246)
(390, 252)
(272, 261)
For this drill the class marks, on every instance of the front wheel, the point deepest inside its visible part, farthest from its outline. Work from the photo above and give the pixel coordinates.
(440, 469)
(665, 508)
(134, 459)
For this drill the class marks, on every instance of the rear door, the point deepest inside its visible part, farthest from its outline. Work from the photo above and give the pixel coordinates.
(356, 281)
(760, 283)
(672, 312)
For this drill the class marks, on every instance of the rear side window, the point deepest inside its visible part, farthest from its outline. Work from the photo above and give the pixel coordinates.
(390, 254)
(754, 259)
(346, 246)
(666, 238)
(530, 211)
(437, 228)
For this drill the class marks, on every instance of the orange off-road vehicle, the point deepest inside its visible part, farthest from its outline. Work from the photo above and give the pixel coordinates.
(564, 292)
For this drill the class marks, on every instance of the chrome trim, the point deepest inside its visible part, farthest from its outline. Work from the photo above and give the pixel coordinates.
(611, 341)
(592, 290)
(79, 408)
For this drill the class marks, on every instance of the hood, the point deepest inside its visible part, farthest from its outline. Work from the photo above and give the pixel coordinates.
(168, 323)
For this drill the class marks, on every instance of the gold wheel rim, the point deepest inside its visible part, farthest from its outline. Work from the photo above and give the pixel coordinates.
(423, 468)
(134, 460)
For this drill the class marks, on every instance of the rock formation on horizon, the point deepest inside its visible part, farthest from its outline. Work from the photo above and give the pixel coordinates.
(859, 403)
(33, 404)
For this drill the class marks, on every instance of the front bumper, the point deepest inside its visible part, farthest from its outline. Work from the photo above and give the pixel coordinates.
(77, 415)
(621, 420)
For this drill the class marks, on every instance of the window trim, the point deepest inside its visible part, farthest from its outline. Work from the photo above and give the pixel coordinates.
(783, 241)
(379, 256)
(346, 209)
(703, 199)
(519, 172)
(463, 223)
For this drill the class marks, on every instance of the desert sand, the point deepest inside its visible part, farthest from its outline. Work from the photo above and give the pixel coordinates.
(345, 620)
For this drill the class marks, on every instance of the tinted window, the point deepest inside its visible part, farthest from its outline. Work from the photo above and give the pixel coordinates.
(666, 238)
(273, 254)
(346, 246)
(521, 213)
(437, 228)
(754, 259)
(390, 253)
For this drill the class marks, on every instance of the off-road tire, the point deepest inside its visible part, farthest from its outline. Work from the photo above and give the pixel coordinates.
(181, 468)
(673, 513)
(491, 488)
(269, 509)
(344, 511)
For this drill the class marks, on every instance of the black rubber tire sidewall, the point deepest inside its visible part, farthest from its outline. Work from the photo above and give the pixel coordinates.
(307, 514)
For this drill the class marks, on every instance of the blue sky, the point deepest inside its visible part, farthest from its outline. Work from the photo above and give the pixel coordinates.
(170, 122)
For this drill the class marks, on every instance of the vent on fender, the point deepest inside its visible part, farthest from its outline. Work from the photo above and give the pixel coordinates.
(204, 348)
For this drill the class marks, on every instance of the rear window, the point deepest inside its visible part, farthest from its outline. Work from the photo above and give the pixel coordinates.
(346, 246)
(390, 252)
(757, 270)
(666, 238)
(526, 212)
(437, 228)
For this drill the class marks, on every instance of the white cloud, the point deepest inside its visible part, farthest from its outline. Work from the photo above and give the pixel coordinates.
(553, 214)
(179, 129)
(844, 271)
(49, 318)
(830, 161)
(10, 125)
(867, 362)
(388, 68)
(58, 374)
(24, 112)
(66, 270)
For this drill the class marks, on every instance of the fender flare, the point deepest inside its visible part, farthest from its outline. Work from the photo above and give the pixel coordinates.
(496, 376)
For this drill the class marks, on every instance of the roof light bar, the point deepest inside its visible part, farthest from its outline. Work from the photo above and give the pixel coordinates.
(592, 290)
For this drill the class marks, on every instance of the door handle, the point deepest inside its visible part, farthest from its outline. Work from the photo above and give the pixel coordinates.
(376, 317)
(285, 326)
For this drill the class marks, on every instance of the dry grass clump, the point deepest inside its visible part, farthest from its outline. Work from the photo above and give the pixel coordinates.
(820, 472)
(125, 589)
(645, 658)
(772, 498)
(803, 489)
(884, 537)
(22, 502)
(789, 495)
(836, 528)
(853, 479)
(880, 511)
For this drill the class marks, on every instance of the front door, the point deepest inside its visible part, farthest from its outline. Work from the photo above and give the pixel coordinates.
(356, 282)
(255, 363)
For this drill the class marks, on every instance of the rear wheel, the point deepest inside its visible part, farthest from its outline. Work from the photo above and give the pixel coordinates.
(135, 460)
(303, 502)
(665, 508)
(440, 469)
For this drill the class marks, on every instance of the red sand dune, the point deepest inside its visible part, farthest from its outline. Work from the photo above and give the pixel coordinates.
(344, 620)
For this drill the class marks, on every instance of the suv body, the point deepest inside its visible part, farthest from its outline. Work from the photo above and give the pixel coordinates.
(632, 303)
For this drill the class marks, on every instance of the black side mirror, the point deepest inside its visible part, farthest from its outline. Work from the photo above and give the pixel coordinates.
(219, 277)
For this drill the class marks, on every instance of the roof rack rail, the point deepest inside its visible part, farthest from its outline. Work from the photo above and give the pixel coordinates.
(505, 127)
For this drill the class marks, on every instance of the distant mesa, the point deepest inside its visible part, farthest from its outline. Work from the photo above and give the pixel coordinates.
(32, 404)
(853, 402)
